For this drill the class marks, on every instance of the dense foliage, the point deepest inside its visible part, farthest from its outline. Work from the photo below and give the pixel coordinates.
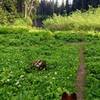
(8, 12)
(19, 47)
(3, 17)
(93, 71)
(14, 9)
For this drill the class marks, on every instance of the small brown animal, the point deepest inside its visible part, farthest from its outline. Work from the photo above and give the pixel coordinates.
(66, 96)
(39, 64)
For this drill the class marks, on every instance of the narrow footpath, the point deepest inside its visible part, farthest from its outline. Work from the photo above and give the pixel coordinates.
(80, 81)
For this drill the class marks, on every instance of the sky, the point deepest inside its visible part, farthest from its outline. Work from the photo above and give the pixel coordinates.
(70, 2)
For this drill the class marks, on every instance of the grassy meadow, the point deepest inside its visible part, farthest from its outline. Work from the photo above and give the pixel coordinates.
(58, 45)
(92, 57)
(77, 21)
(19, 49)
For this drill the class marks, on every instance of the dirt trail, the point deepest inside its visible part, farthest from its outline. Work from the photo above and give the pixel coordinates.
(81, 73)
(80, 81)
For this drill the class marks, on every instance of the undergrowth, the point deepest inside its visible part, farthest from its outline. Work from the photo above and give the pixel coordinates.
(20, 46)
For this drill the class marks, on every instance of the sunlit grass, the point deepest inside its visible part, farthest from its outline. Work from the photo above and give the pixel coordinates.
(19, 48)
(78, 21)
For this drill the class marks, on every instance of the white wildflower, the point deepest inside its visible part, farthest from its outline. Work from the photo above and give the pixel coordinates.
(17, 83)
(55, 73)
(53, 78)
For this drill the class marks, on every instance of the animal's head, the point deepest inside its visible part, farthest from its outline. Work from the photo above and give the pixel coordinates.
(66, 96)
(39, 64)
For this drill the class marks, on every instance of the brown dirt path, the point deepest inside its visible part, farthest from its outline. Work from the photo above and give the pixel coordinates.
(81, 73)
(80, 81)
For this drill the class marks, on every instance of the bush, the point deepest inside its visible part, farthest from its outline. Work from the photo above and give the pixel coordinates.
(8, 11)
(10, 17)
(6, 17)
(3, 17)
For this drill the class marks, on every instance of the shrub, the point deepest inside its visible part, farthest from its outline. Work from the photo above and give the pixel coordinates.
(6, 17)
(3, 17)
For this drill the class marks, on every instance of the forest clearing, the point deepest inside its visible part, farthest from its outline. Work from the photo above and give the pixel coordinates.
(67, 46)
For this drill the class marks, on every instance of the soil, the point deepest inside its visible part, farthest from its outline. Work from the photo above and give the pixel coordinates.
(80, 81)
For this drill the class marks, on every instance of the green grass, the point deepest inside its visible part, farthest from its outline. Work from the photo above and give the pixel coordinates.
(92, 54)
(20, 46)
(77, 21)
(18, 49)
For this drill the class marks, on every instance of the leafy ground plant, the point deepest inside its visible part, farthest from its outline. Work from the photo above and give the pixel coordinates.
(18, 49)
(93, 71)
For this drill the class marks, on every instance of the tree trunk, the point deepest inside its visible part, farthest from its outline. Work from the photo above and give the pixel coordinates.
(26, 10)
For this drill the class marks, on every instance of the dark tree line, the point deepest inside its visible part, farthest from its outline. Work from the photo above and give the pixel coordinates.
(84, 4)
(48, 8)
(43, 9)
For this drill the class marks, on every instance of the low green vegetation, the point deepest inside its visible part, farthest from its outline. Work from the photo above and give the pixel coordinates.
(19, 47)
(93, 71)
(58, 44)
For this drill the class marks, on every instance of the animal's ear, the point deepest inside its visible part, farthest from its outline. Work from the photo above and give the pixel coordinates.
(39, 61)
(74, 96)
(64, 96)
